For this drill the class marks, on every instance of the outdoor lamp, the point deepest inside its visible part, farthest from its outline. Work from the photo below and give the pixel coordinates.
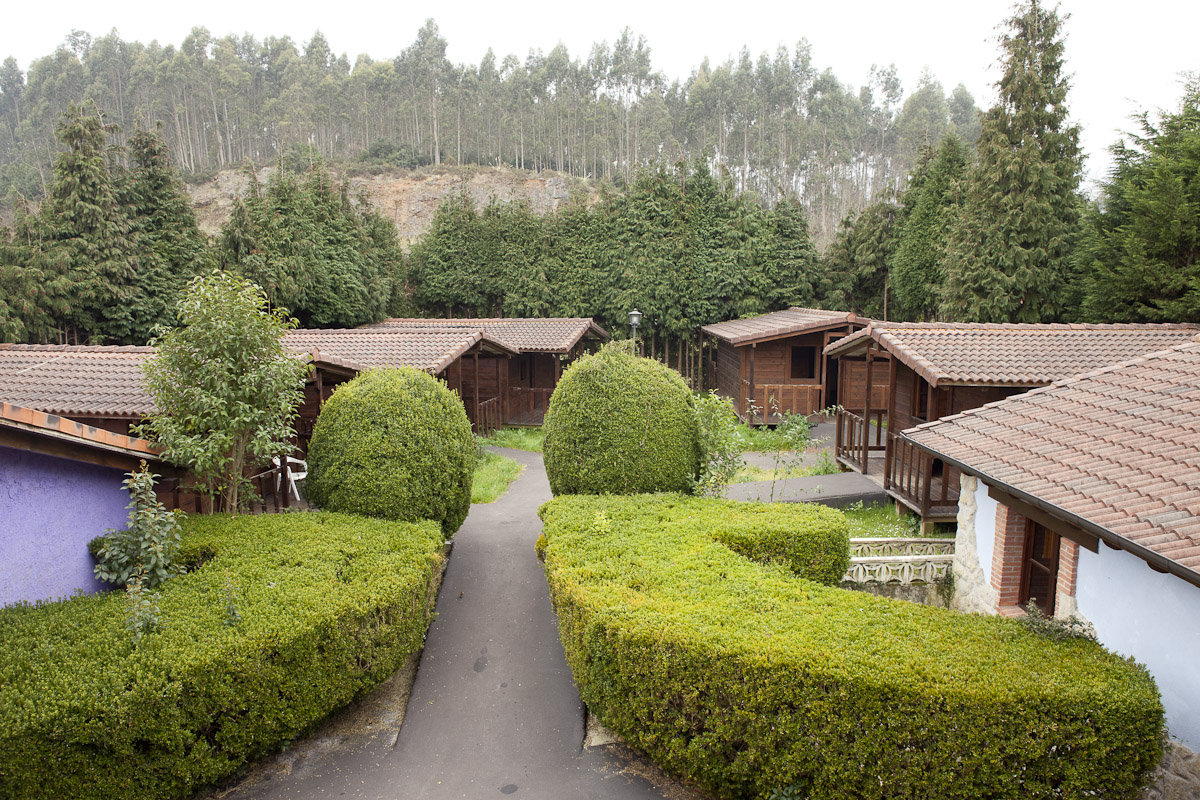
(635, 319)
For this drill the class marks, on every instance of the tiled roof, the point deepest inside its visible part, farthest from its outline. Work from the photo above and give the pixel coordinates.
(778, 324)
(1117, 448)
(57, 427)
(75, 380)
(519, 334)
(978, 354)
(366, 348)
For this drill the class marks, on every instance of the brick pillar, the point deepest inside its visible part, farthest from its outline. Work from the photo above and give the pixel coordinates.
(1068, 566)
(1006, 560)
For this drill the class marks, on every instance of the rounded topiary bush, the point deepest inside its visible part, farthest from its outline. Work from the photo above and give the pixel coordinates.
(393, 443)
(620, 424)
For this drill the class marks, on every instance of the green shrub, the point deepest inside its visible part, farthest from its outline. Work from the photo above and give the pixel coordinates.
(619, 424)
(324, 606)
(747, 679)
(148, 547)
(396, 444)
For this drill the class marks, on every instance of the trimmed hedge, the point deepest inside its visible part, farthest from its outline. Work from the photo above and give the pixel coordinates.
(396, 444)
(745, 678)
(330, 605)
(619, 424)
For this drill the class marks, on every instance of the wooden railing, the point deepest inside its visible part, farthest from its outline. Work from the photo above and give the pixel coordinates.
(772, 400)
(925, 484)
(489, 415)
(527, 406)
(856, 438)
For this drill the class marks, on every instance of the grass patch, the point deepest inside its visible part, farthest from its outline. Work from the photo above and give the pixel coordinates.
(493, 474)
(529, 439)
(883, 521)
(749, 473)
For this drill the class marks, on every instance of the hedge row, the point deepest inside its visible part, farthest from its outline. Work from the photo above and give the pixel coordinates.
(745, 678)
(329, 605)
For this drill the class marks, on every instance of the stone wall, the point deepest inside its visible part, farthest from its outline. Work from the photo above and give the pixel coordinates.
(973, 592)
(1178, 777)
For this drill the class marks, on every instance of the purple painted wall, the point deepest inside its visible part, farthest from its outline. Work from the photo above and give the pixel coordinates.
(50, 508)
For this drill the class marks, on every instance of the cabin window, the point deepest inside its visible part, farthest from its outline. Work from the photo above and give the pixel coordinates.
(804, 363)
(1039, 572)
(920, 396)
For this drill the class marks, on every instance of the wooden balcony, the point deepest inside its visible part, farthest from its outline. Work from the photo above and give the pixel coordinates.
(773, 400)
(527, 406)
(857, 438)
(921, 482)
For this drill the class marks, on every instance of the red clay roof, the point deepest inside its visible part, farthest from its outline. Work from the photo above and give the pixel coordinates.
(366, 348)
(52, 425)
(519, 334)
(978, 354)
(1117, 448)
(78, 381)
(779, 324)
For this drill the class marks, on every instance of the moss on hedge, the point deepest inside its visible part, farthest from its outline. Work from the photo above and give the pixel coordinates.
(745, 678)
(396, 444)
(619, 424)
(330, 605)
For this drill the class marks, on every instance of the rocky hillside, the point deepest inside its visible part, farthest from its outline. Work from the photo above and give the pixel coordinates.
(410, 198)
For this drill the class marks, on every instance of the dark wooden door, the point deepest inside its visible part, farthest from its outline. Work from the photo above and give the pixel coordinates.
(1039, 573)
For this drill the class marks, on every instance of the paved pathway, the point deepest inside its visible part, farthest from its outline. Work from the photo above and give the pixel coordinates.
(494, 711)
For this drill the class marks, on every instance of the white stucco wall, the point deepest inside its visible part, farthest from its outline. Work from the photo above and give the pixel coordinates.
(1153, 617)
(985, 528)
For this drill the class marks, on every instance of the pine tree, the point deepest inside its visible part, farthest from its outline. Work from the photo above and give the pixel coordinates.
(171, 248)
(86, 235)
(1009, 251)
(1142, 254)
(926, 207)
(792, 270)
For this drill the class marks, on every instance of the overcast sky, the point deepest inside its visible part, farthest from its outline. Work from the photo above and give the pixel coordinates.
(1122, 57)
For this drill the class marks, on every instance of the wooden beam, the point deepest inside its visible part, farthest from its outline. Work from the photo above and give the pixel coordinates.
(866, 433)
(476, 355)
(752, 348)
(891, 421)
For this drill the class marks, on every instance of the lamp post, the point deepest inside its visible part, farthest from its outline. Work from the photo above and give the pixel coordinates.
(635, 319)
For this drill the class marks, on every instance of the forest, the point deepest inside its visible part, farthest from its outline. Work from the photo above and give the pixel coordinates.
(776, 124)
(989, 226)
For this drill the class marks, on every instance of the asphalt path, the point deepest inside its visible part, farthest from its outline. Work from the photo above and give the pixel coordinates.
(493, 711)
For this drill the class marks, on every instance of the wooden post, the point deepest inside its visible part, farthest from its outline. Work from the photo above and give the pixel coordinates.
(866, 432)
(320, 389)
(926, 459)
(476, 355)
(891, 421)
(752, 348)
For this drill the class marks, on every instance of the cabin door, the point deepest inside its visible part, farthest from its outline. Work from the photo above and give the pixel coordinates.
(1039, 571)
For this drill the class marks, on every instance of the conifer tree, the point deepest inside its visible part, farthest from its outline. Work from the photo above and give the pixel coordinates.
(1142, 254)
(926, 207)
(86, 235)
(1009, 251)
(171, 248)
(792, 269)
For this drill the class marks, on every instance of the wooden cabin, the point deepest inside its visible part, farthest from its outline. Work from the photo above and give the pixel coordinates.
(774, 364)
(936, 370)
(471, 363)
(541, 350)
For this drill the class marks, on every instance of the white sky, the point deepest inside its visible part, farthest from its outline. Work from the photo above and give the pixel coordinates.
(1123, 57)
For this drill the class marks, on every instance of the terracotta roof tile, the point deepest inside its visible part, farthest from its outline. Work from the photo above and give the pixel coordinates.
(979, 354)
(75, 380)
(778, 324)
(519, 334)
(367, 348)
(1118, 448)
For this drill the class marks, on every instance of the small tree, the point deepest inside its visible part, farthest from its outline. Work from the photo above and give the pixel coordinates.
(224, 386)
